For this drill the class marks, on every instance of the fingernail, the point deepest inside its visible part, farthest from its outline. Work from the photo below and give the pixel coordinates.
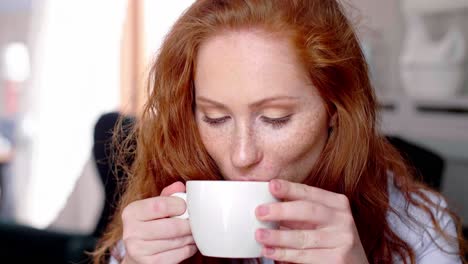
(263, 234)
(276, 185)
(269, 251)
(263, 210)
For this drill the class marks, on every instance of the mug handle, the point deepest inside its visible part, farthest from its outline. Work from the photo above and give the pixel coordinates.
(182, 196)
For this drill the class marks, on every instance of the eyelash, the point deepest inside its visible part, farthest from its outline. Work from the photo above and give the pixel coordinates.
(276, 123)
(215, 121)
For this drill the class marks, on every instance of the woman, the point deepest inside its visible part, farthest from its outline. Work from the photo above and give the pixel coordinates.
(278, 91)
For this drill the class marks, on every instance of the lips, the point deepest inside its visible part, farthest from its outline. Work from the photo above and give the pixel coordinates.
(252, 174)
(249, 178)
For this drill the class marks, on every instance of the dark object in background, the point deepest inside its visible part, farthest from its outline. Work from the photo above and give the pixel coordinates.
(429, 164)
(465, 235)
(23, 244)
(104, 157)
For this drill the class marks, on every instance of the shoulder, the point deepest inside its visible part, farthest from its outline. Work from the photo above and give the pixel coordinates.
(414, 225)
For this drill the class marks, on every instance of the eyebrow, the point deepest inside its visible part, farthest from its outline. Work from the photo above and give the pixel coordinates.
(254, 104)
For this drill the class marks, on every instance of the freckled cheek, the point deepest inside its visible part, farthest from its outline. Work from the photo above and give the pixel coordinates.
(216, 142)
(292, 144)
(282, 150)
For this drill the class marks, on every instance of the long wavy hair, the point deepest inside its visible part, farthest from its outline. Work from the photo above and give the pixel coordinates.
(356, 159)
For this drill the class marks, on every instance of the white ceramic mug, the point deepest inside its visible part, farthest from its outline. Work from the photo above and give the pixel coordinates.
(222, 216)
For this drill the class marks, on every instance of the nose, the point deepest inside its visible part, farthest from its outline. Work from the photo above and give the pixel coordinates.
(245, 153)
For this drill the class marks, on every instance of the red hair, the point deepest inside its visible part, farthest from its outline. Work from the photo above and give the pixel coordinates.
(356, 159)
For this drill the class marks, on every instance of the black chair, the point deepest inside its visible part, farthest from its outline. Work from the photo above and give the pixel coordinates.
(465, 234)
(426, 162)
(104, 156)
(24, 244)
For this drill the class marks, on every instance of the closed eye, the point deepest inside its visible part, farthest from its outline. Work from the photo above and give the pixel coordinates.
(215, 121)
(276, 122)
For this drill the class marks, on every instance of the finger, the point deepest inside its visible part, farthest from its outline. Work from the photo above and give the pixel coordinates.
(295, 225)
(299, 239)
(137, 247)
(173, 188)
(154, 208)
(166, 228)
(290, 191)
(298, 211)
(172, 256)
(302, 256)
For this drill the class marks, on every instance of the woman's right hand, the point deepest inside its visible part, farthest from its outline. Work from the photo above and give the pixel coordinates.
(150, 235)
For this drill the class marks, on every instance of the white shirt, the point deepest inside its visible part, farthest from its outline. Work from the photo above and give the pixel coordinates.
(419, 237)
(423, 238)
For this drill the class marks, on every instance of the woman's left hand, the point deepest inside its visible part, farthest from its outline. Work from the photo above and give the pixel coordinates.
(316, 226)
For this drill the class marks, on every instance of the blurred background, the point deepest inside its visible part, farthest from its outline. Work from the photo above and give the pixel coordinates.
(64, 64)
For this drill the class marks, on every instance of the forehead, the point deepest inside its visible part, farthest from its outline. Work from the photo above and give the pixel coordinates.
(248, 60)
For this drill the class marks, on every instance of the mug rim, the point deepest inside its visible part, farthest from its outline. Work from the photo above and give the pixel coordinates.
(227, 181)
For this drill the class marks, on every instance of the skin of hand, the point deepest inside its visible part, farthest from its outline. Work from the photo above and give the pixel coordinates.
(150, 235)
(316, 226)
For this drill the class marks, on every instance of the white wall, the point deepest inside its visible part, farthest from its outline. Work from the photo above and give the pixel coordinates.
(383, 23)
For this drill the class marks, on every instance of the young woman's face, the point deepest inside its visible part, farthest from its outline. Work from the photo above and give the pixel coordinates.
(258, 114)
